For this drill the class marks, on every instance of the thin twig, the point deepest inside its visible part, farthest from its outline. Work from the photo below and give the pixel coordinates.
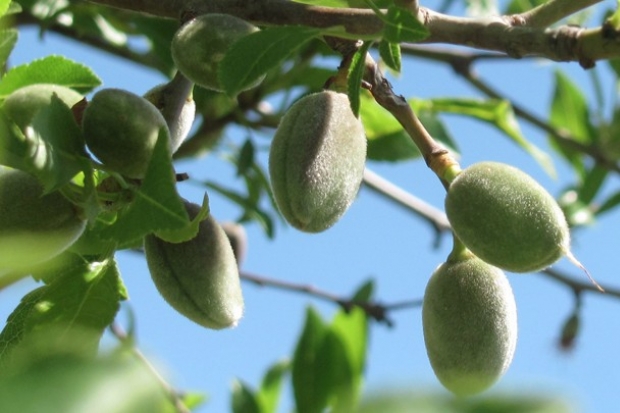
(374, 310)
(553, 11)
(432, 215)
(173, 395)
(504, 34)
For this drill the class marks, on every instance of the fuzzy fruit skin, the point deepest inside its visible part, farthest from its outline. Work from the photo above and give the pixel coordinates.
(470, 325)
(23, 104)
(198, 278)
(34, 228)
(121, 129)
(199, 46)
(316, 161)
(506, 218)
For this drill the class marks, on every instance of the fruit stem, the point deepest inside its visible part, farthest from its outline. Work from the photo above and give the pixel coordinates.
(459, 251)
(437, 157)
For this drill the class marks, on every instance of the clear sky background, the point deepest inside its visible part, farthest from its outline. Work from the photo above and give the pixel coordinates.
(379, 240)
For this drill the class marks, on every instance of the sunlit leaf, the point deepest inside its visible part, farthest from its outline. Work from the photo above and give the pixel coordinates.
(52, 69)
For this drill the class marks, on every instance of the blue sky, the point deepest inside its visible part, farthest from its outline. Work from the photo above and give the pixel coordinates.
(375, 239)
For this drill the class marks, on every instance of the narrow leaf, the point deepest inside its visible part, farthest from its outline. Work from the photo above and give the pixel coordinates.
(310, 388)
(402, 26)
(592, 184)
(271, 386)
(390, 54)
(499, 114)
(252, 56)
(243, 399)
(355, 76)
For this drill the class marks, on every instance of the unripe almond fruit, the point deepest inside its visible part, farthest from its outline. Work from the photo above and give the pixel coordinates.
(316, 161)
(199, 46)
(470, 325)
(198, 278)
(506, 218)
(121, 129)
(23, 104)
(34, 228)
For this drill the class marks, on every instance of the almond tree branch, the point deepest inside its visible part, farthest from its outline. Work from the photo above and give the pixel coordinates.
(505, 34)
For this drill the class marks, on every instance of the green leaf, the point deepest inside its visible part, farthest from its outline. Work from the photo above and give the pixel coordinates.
(592, 184)
(8, 38)
(569, 113)
(498, 113)
(51, 69)
(15, 327)
(189, 231)
(246, 157)
(387, 141)
(364, 292)
(55, 127)
(157, 206)
(402, 26)
(61, 384)
(244, 399)
(77, 305)
(390, 54)
(4, 6)
(338, 373)
(609, 204)
(253, 55)
(355, 76)
(309, 366)
(352, 330)
(271, 386)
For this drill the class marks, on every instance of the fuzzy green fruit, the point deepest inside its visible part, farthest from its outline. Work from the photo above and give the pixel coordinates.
(23, 104)
(199, 46)
(198, 278)
(470, 325)
(316, 161)
(34, 227)
(506, 218)
(121, 129)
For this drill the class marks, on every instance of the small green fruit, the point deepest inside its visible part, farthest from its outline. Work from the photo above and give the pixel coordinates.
(317, 160)
(198, 278)
(34, 227)
(506, 218)
(121, 129)
(199, 46)
(23, 104)
(470, 325)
